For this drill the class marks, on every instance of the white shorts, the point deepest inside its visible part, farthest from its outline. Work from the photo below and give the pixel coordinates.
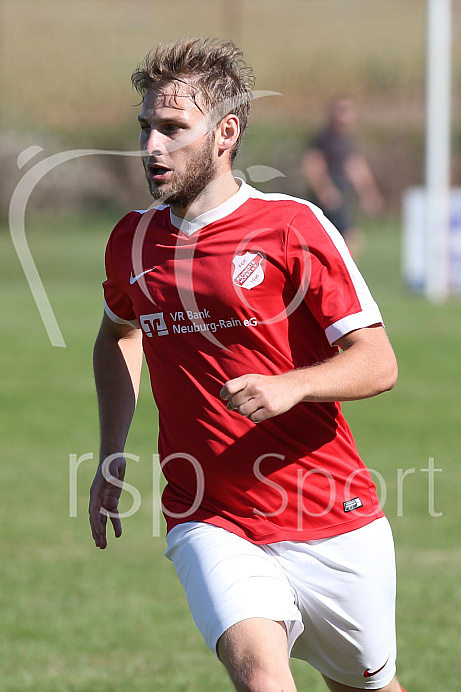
(336, 595)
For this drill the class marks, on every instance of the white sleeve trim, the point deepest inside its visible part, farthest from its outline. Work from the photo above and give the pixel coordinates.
(119, 320)
(348, 324)
(369, 313)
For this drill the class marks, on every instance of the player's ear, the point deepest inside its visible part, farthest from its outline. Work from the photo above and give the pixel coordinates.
(228, 132)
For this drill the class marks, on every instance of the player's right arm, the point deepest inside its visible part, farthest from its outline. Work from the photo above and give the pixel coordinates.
(117, 363)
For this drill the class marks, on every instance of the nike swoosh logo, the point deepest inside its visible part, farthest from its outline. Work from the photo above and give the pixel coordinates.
(133, 279)
(369, 674)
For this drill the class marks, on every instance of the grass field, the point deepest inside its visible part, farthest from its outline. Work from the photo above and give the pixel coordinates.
(74, 619)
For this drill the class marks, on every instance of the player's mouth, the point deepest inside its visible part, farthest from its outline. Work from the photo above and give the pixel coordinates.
(157, 173)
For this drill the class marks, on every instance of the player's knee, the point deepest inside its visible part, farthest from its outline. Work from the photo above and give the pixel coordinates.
(253, 676)
(254, 653)
(258, 680)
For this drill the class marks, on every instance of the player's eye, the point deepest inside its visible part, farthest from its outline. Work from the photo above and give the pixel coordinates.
(171, 128)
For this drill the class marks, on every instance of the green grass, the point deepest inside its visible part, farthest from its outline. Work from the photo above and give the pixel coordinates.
(77, 619)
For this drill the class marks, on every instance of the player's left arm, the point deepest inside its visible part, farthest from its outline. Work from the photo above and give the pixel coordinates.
(364, 367)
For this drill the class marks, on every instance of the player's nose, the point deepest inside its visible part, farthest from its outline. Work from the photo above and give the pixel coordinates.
(153, 145)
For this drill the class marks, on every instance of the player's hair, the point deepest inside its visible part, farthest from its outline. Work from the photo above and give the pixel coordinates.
(219, 80)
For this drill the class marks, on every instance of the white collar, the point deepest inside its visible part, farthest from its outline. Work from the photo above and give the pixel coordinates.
(219, 212)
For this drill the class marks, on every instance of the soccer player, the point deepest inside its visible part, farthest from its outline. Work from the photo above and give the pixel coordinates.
(255, 323)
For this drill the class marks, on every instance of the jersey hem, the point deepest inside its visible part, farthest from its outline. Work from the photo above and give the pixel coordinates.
(286, 535)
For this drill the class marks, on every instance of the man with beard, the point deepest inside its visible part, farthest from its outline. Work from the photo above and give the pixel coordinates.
(255, 323)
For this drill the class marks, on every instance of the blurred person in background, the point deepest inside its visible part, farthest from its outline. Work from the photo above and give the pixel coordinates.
(338, 174)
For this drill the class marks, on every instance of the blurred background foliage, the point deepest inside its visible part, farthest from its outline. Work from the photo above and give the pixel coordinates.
(65, 83)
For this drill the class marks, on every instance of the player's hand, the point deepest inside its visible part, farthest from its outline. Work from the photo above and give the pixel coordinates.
(259, 397)
(104, 497)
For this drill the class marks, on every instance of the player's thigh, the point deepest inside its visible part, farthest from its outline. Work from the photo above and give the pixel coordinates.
(227, 580)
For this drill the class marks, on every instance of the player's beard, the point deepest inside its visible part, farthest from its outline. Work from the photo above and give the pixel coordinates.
(184, 187)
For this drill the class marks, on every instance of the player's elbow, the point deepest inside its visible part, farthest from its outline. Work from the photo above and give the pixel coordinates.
(388, 375)
(386, 367)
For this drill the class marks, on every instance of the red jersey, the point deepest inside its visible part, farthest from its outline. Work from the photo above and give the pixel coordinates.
(261, 284)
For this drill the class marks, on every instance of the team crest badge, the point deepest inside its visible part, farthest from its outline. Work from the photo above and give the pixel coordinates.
(248, 270)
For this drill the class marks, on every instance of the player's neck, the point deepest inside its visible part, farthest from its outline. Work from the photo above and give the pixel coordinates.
(218, 191)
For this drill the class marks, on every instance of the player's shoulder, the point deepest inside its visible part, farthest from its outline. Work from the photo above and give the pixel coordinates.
(294, 214)
(136, 218)
(284, 204)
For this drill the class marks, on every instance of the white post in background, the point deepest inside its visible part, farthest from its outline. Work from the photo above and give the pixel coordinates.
(438, 107)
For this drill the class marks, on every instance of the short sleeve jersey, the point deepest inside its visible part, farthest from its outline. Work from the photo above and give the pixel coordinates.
(261, 284)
